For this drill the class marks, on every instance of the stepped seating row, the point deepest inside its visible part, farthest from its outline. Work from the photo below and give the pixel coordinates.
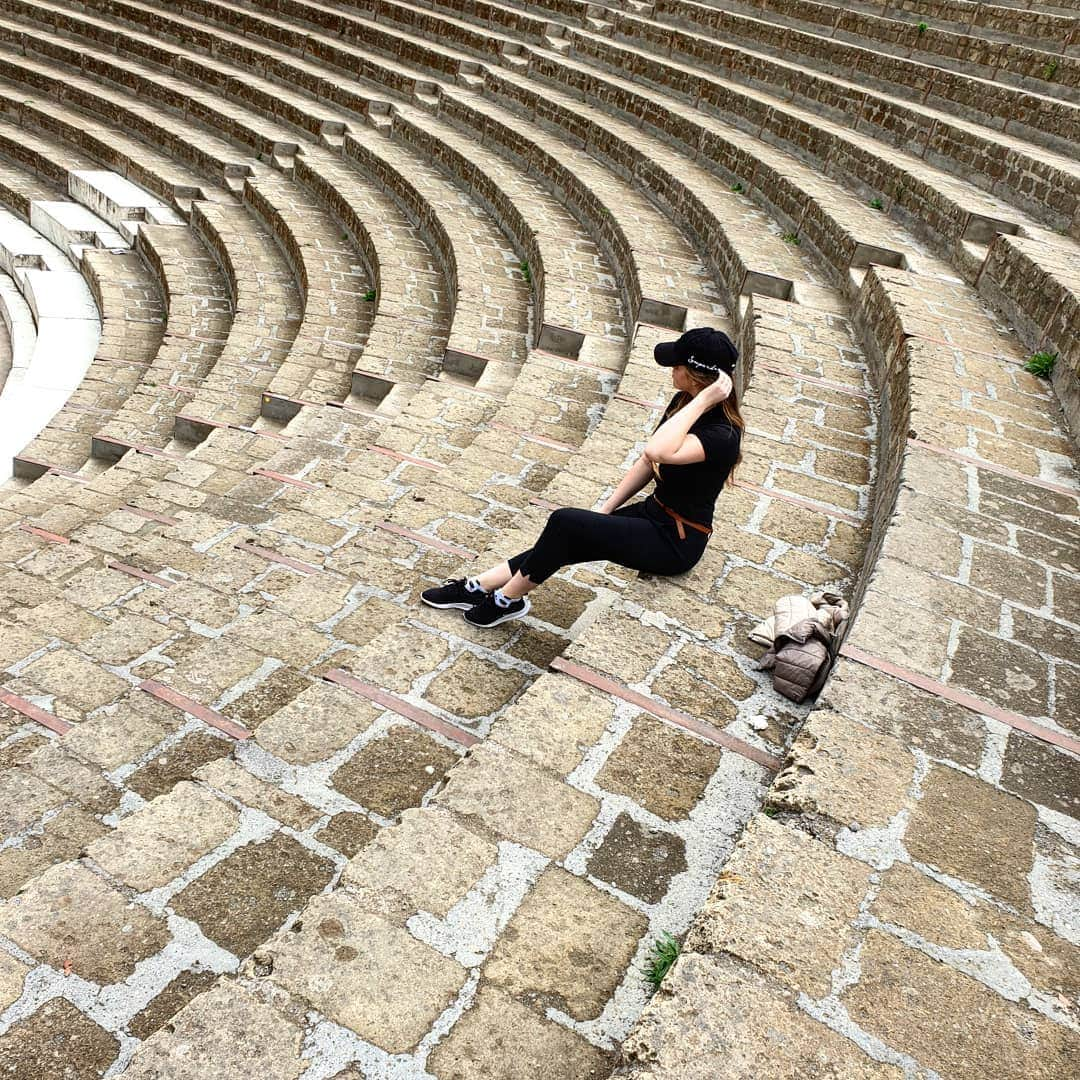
(877, 99)
(1047, 72)
(915, 747)
(918, 191)
(482, 769)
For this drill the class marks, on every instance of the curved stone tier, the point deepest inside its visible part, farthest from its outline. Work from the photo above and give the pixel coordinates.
(396, 273)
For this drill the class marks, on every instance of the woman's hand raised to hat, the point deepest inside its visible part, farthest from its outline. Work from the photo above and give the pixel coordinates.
(717, 391)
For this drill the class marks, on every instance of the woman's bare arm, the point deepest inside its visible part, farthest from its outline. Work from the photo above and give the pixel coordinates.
(671, 443)
(637, 476)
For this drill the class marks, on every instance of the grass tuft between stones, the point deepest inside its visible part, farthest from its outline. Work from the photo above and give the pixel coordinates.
(876, 204)
(664, 953)
(1050, 70)
(1041, 364)
(526, 273)
(790, 238)
(369, 295)
(922, 28)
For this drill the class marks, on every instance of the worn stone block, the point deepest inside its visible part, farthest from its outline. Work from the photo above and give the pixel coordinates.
(568, 945)
(150, 847)
(428, 862)
(976, 832)
(364, 972)
(503, 796)
(948, 1022)
(715, 1019)
(844, 771)
(662, 768)
(811, 894)
(229, 1033)
(498, 1036)
(316, 724)
(69, 915)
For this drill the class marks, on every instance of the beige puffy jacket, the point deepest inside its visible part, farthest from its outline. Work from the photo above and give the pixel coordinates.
(828, 608)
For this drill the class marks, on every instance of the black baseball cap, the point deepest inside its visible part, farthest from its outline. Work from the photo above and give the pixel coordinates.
(704, 349)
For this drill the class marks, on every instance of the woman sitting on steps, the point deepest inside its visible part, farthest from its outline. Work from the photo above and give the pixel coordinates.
(690, 456)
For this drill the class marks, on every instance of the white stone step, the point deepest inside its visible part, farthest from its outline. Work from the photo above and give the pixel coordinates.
(118, 201)
(55, 329)
(71, 227)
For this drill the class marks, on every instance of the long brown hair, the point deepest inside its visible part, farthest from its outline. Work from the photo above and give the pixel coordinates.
(729, 406)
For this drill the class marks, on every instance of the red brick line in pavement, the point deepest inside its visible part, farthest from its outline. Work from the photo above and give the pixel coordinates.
(665, 712)
(427, 541)
(281, 478)
(828, 384)
(397, 455)
(142, 575)
(544, 504)
(795, 500)
(193, 708)
(650, 405)
(989, 466)
(32, 712)
(965, 700)
(273, 556)
(402, 708)
(543, 440)
(53, 538)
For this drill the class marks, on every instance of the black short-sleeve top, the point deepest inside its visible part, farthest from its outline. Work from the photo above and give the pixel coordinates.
(691, 490)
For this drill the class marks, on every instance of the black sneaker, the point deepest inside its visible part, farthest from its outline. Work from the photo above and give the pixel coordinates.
(489, 612)
(453, 594)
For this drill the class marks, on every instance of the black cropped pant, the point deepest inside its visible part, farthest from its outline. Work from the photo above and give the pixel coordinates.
(639, 536)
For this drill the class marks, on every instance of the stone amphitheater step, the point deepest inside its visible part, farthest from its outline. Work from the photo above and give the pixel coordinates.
(558, 318)
(1043, 28)
(525, 751)
(917, 745)
(1047, 73)
(801, 129)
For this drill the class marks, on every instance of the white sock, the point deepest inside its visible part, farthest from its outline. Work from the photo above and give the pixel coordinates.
(503, 601)
(472, 585)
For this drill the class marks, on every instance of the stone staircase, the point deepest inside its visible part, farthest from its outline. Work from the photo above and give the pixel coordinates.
(264, 814)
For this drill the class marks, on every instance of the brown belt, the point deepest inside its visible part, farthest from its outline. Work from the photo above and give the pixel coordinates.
(681, 521)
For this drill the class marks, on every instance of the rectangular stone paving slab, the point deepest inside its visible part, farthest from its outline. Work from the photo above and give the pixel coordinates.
(951, 1023)
(155, 844)
(660, 767)
(57, 1041)
(976, 832)
(240, 901)
(228, 1033)
(740, 1025)
(485, 789)
(363, 972)
(315, 724)
(393, 773)
(70, 915)
(62, 837)
(568, 945)
(811, 896)
(498, 1036)
(844, 771)
(583, 715)
(427, 862)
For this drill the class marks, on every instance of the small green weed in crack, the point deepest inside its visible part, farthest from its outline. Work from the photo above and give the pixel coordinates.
(876, 204)
(1050, 70)
(664, 953)
(1042, 364)
(922, 28)
(737, 188)
(369, 295)
(791, 238)
(526, 273)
